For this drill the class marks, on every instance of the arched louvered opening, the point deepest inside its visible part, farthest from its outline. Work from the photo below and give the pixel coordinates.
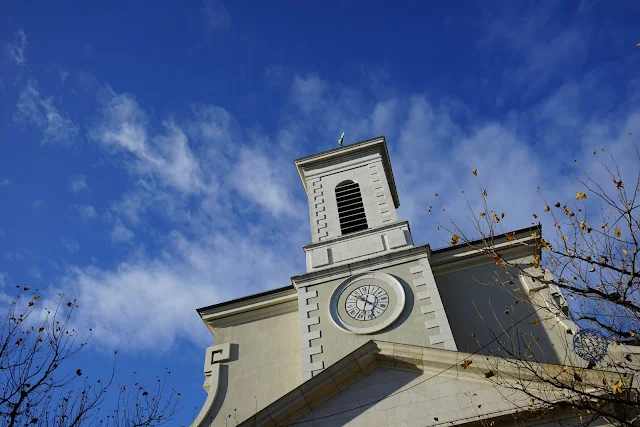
(350, 207)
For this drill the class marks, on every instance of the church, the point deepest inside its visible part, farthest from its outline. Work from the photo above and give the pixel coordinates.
(379, 330)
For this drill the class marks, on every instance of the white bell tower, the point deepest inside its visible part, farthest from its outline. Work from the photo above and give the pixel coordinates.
(352, 204)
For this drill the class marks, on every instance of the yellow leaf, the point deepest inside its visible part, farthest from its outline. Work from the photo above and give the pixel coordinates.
(618, 233)
(495, 218)
(545, 244)
(475, 172)
(535, 235)
(604, 225)
(565, 238)
(535, 322)
(465, 364)
(484, 193)
(536, 262)
(582, 224)
(617, 362)
(454, 239)
(617, 387)
(580, 195)
(37, 297)
(547, 208)
(624, 251)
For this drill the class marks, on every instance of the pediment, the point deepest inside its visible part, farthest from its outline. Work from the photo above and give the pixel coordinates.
(384, 383)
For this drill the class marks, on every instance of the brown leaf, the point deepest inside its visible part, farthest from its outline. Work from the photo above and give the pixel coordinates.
(429, 209)
(465, 364)
(78, 372)
(482, 214)
(547, 208)
(497, 259)
(569, 331)
(557, 205)
(618, 232)
(475, 172)
(484, 193)
(617, 362)
(454, 239)
(577, 377)
(535, 216)
(535, 322)
(511, 236)
(618, 184)
(36, 297)
(489, 374)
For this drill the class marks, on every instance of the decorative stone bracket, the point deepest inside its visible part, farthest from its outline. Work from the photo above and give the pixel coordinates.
(213, 356)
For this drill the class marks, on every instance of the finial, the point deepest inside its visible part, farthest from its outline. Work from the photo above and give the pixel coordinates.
(341, 139)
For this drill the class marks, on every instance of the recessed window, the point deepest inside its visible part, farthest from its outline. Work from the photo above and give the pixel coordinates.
(350, 207)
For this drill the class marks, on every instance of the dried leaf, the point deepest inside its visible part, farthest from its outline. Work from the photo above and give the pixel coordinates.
(535, 216)
(618, 184)
(429, 208)
(617, 362)
(618, 232)
(489, 374)
(454, 239)
(511, 236)
(497, 259)
(482, 214)
(580, 195)
(475, 172)
(495, 218)
(624, 251)
(465, 364)
(617, 387)
(484, 193)
(37, 297)
(577, 377)
(535, 322)
(557, 205)
(547, 208)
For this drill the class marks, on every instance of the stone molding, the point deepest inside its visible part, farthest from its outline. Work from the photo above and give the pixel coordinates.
(214, 355)
(337, 377)
(307, 350)
(427, 293)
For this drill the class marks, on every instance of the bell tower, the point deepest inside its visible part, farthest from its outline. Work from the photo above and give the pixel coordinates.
(352, 204)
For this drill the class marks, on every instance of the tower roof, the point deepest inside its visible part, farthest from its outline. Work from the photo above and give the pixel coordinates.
(304, 163)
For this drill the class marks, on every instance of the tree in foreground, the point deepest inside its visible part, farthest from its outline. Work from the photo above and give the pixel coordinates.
(41, 386)
(587, 263)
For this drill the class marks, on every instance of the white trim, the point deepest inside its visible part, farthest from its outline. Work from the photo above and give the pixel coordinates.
(395, 313)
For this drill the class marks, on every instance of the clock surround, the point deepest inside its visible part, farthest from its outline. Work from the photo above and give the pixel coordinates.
(367, 303)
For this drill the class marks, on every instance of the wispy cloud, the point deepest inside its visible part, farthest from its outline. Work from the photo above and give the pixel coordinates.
(216, 15)
(70, 244)
(5, 183)
(35, 273)
(87, 212)
(16, 50)
(78, 183)
(120, 233)
(37, 204)
(56, 126)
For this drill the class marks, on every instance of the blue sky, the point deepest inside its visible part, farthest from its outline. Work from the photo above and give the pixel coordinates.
(146, 151)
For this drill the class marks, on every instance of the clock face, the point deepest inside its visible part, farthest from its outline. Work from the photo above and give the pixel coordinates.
(367, 303)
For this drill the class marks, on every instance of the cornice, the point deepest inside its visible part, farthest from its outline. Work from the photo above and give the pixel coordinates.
(352, 236)
(380, 354)
(344, 270)
(248, 310)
